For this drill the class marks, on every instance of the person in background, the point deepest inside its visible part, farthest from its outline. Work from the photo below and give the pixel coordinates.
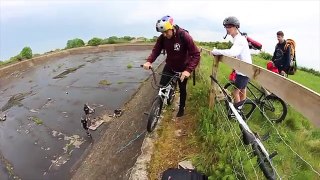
(240, 50)
(281, 57)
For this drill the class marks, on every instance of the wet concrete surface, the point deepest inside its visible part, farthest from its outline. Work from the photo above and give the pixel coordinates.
(41, 137)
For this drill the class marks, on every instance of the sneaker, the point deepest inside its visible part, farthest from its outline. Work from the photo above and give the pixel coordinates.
(232, 115)
(180, 112)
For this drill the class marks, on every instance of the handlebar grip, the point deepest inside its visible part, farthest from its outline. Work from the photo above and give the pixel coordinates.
(214, 79)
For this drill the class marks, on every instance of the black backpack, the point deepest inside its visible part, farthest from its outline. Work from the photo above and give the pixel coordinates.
(182, 174)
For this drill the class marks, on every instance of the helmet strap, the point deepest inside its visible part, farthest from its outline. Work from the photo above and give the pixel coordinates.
(225, 36)
(239, 31)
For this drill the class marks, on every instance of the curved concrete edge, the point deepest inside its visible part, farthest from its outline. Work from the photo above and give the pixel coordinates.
(116, 152)
(139, 170)
(22, 65)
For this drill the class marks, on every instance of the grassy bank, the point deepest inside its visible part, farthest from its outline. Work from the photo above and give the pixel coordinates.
(221, 154)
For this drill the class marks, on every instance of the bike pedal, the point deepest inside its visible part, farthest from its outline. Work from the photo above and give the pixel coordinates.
(272, 155)
(265, 137)
(251, 154)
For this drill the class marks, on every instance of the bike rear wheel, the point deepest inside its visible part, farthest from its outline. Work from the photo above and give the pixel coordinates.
(154, 114)
(248, 108)
(274, 108)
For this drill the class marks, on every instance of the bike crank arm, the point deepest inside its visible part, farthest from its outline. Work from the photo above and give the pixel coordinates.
(272, 155)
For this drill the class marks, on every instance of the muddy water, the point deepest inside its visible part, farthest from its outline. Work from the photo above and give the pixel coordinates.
(41, 137)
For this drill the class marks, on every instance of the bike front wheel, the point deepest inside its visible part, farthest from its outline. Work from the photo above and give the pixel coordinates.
(274, 108)
(154, 114)
(264, 162)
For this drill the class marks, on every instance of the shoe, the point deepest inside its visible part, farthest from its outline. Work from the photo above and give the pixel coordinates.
(231, 114)
(180, 112)
(239, 105)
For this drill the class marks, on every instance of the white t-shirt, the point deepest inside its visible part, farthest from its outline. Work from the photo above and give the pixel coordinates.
(240, 50)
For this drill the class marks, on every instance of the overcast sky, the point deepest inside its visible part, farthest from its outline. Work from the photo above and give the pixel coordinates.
(47, 24)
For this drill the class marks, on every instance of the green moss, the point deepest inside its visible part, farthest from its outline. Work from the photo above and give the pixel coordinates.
(129, 66)
(104, 83)
(37, 120)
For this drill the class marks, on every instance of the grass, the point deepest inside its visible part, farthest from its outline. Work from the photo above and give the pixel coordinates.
(7, 62)
(104, 83)
(173, 148)
(302, 77)
(220, 153)
(307, 79)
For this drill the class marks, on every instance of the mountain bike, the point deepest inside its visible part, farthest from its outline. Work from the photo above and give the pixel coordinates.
(165, 96)
(250, 138)
(271, 106)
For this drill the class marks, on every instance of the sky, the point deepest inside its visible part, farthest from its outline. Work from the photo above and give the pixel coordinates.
(46, 25)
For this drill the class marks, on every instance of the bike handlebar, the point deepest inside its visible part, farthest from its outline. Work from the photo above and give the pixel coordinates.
(175, 76)
(141, 65)
(223, 90)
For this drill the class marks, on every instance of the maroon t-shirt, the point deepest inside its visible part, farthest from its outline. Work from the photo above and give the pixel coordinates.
(182, 54)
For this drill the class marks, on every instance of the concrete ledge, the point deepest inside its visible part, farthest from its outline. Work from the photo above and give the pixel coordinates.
(25, 64)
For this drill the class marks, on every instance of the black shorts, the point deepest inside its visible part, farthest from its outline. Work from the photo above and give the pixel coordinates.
(241, 81)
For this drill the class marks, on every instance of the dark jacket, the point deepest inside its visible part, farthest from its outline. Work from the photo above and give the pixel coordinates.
(281, 57)
(182, 53)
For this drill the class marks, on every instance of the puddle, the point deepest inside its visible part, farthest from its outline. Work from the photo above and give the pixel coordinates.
(51, 142)
(72, 142)
(15, 100)
(68, 71)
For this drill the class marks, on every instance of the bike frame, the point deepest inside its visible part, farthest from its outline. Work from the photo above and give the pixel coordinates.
(247, 133)
(164, 92)
(255, 97)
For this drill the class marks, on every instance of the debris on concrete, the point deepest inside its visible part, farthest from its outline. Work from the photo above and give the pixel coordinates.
(3, 118)
(33, 111)
(185, 165)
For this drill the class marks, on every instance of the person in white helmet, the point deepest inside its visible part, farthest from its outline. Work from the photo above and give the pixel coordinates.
(240, 50)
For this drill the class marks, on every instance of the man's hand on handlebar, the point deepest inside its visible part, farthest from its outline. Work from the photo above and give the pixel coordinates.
(184, 74)
(147, 65)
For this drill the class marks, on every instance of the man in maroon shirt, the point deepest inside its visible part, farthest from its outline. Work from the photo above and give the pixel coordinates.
(182, 55)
